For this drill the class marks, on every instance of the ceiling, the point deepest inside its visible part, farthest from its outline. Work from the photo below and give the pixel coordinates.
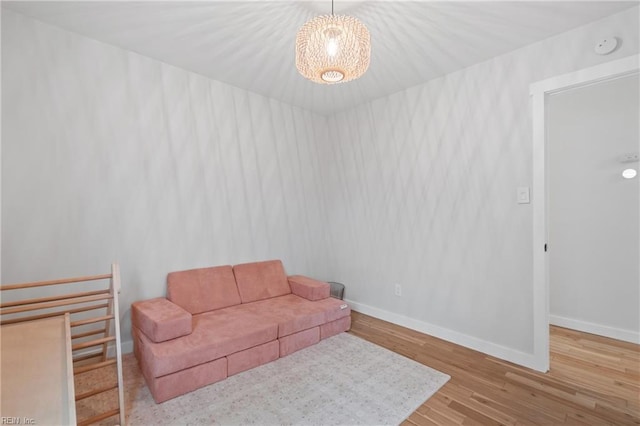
(251, 44)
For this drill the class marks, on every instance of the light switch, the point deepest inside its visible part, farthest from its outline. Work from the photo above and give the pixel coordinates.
(523, 195)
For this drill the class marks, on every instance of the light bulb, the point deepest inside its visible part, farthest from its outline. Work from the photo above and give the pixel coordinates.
(629, 173)
(332, 47)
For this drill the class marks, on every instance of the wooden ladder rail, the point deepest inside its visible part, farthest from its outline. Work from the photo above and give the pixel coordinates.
(114, 287)
(20, 311)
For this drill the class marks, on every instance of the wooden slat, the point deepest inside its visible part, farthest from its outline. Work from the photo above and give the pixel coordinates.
(91, 343)
(91, 320)
(84, 368)
(51, 298)
(87, 334)
(53, 314)
(54, 282)
(71, 407)
(97, 418)
(107, 323)
(56, 304)
(96, 392)
(87, 356)
(115, 290)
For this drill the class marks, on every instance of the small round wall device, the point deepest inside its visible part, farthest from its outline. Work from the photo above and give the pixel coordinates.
(606, 45)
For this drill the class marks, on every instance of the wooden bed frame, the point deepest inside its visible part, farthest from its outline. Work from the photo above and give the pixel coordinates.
(93, 328)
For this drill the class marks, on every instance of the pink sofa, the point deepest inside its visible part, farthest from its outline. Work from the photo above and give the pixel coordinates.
(220, 321)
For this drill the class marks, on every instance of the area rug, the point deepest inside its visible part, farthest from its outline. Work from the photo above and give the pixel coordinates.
(343, 380)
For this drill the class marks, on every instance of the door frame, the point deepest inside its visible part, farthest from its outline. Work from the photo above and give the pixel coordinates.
(540, 92)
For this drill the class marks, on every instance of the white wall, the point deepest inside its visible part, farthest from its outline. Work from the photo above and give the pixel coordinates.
(593, 211)
(111, 156)
(425, 188)
(108, 155)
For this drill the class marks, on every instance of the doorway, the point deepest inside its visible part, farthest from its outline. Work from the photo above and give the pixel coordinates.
(593, 208)
(541, 94)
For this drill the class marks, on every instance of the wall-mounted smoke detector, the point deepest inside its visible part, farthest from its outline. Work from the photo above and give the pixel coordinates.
(606, 45)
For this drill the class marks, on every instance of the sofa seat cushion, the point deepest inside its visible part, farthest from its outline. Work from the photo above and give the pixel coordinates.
(261, 280)
(204, 289)
(294, 313)
(215, 334)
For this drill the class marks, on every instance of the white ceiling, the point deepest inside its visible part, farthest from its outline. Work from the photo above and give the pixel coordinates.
(251, 44)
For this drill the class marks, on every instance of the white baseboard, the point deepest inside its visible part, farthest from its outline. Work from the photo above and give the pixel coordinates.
(600, 330)
(508, 354)
(126, 347)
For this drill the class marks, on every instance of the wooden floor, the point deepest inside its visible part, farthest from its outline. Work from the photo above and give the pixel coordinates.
(593, 380)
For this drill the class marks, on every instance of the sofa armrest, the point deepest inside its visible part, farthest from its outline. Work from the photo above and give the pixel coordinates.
(160, 319)
(308, 287)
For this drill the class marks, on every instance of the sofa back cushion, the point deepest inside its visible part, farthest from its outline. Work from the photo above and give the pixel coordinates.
(202, 290)
(261, 280)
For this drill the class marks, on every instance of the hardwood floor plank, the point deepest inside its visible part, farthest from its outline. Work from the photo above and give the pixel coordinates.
(480, 404)
(621, 374)
(593, 380)
(419, 420)
(472, 414)
(439, 410)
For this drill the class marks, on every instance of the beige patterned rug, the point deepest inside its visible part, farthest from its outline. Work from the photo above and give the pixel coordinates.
(343, 380)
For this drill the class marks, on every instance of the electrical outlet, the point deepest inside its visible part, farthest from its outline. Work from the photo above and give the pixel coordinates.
(398, 290)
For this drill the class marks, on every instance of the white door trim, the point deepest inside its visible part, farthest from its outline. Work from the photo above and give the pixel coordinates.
(539, 92)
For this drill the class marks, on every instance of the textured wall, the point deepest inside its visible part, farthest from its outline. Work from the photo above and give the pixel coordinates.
(425, 188)
(110, 156)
